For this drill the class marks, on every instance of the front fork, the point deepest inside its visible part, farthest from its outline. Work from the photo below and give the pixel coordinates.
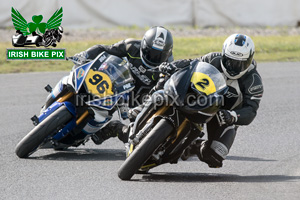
(176, 144)
(61, 94)
(135, 139)
(183, 127)
(76, 120)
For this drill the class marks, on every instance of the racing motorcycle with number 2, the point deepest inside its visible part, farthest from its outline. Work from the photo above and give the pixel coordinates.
(80, 105)
(173, 118)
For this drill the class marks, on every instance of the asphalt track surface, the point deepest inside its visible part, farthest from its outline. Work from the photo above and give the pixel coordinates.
(264, 162)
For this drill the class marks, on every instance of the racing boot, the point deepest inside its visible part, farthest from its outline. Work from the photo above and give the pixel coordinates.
(213, 153)
(113, 129)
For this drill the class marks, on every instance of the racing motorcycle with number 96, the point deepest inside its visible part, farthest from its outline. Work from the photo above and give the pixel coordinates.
(80, 105)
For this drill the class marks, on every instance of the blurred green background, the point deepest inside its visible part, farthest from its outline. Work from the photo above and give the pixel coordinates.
(268, 49)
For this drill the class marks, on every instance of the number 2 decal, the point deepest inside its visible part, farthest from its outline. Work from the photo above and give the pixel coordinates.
(203, 83)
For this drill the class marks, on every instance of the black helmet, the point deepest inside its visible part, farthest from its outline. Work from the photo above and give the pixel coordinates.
(156, 46)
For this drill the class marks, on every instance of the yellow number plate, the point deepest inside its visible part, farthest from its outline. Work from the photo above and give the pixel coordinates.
(98, 83)
(203, 83)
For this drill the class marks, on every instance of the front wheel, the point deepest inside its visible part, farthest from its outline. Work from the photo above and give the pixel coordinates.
(145, 149)
(44, 129)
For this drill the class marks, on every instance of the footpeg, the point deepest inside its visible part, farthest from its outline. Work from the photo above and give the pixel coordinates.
(35, 120)
(48, 88)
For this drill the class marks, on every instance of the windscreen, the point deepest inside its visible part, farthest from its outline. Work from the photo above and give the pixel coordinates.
(207, 79)
(118, 71)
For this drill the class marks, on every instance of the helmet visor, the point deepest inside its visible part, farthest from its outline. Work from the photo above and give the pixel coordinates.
(234, 67)
(153, 56)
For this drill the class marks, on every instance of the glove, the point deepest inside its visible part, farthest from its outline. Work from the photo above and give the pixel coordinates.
(81, 57)
(167, 68)
(226, 117)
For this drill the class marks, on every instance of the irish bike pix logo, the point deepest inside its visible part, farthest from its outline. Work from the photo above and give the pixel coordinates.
(36, 34)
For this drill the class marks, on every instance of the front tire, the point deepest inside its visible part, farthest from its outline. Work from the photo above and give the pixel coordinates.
(37, 135)
(145, 149)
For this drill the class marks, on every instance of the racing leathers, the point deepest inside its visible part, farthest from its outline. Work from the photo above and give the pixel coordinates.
(145, 80)
(241, 102)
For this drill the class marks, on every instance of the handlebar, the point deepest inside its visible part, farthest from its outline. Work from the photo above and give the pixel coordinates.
(75, 60)
(156, 69)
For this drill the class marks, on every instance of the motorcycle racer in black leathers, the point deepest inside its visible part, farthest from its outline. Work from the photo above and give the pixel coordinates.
(144, 55)
(241, 102)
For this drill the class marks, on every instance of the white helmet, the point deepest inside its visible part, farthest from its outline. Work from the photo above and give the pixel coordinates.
(237, 55)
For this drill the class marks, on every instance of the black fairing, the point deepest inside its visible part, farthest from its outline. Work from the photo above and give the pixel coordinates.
(202, 114)
(181, 80)
(200, 111)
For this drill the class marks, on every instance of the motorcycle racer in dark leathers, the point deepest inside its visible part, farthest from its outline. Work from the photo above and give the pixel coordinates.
(241, 102)
(144, 55)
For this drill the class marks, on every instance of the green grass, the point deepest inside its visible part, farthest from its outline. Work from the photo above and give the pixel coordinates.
(268, 49)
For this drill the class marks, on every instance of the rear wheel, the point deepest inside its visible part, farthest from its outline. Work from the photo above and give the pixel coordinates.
(145, 149)
(44, 129)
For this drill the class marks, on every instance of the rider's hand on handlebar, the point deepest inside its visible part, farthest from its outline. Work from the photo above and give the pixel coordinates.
(227, 117)
(80, 57)
(167, 68)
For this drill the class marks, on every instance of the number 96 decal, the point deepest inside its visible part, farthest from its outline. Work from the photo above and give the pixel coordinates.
(98, 83)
